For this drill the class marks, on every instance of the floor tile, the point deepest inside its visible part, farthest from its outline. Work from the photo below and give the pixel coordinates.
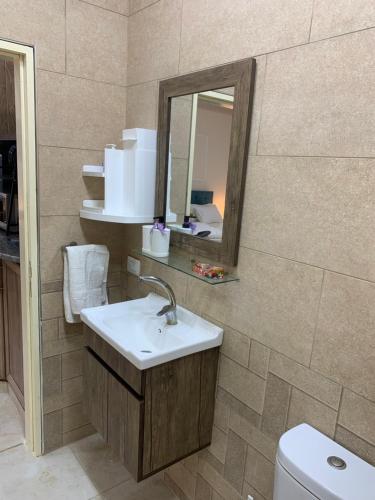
(96, 459)
(11, 428)
(153, 488)
(56, 476)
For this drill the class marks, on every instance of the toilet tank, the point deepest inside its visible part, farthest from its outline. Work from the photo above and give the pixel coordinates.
(311, 466)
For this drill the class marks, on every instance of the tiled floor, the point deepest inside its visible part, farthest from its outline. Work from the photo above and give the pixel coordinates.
(81, 471)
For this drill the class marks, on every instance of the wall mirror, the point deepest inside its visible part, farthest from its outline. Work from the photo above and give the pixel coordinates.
(203, 136)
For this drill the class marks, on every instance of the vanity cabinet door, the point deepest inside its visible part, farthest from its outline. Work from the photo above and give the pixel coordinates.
(96, 393)
(124, 418)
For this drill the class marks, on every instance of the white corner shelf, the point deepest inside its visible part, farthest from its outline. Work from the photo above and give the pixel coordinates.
(93, 171)
(120, 219)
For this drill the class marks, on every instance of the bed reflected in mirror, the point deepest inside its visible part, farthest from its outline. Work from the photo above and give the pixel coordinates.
(200, 136)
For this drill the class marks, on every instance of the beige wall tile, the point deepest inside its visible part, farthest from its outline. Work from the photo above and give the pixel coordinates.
(120, 6)
(69, 330)
(314, 210)
(253, 436)
(62, 167)
(221, 417)
(154, 36)
(342, 16)
(136, 5)
(203, 490)
(249, 490)
(319, 107)
(259, 472)
(86, 114)
(237, 406)
(63, 345)
(344, 346)
(275, 302)
(225, 32)
(236, 346)
(77, 434)
(72, 364)
(51, 375)
(141, 105)
(307, 380)
(259, 358)
(74, 417)
(304, 409)
(355, 444)
(276, 406)
(93, 36)
(235, 461)
(184, 479)
(260, 74)
(357, 414)
(52, 305)
(50, 330)
(241, 383)
(220, 485)
(40, 23)
(52, 431)
(71, 393)
(218, 445)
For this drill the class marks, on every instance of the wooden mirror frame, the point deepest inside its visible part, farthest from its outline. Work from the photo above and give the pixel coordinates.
(241, 76)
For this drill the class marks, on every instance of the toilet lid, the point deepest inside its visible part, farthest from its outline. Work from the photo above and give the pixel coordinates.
(324, 467)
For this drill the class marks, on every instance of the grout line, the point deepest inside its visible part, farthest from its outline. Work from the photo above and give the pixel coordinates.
(104, 8)
(339, 411)
(311, 20)
(317, 316)
(333, 157)
(261, 104)
(314, 266)
(118, 85)
(143, 8)
(11, 447)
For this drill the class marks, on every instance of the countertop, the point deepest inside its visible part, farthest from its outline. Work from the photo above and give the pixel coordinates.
(9, 247)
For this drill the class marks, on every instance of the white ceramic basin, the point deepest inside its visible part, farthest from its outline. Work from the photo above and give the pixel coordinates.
(134, 330)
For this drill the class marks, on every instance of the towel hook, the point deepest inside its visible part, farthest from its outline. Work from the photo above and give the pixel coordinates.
(71, 244)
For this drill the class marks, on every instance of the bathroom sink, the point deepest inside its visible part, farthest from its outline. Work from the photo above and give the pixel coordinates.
(134, 330)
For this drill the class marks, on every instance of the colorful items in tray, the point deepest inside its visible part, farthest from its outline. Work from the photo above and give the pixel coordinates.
(208, 270)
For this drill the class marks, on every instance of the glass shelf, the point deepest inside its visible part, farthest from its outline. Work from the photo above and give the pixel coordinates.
(184, 263)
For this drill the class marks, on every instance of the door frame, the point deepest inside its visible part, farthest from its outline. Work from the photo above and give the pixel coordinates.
(24, 65)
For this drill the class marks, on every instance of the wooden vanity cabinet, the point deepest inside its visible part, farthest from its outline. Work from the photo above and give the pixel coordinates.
(150, 418)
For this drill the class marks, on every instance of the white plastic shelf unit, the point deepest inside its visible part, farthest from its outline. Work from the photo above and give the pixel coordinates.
(129, 181)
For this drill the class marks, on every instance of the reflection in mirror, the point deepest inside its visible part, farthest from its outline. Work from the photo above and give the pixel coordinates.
(200, 134)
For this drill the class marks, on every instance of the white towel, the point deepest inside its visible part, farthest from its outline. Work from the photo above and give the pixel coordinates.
(85, 279)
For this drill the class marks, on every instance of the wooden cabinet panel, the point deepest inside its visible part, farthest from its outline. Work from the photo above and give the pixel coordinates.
(2, 338)
(96, 393)
(13, 328)
(124, 423)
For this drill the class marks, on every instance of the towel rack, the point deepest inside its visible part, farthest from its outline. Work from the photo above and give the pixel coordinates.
(71, 244)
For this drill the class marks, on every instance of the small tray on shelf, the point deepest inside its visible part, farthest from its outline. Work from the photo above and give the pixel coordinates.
(184, 263)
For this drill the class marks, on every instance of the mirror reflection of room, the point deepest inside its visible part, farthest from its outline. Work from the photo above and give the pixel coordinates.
(200, 135)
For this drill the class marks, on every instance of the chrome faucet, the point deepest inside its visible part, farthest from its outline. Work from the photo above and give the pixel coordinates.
(169, 310)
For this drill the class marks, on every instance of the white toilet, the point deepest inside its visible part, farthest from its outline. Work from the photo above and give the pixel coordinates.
(310, 466)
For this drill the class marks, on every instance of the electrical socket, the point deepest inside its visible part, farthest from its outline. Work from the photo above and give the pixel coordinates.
(134, 266)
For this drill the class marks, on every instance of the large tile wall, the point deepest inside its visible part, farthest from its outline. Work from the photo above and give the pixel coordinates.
(299, 326)
(81, 62)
